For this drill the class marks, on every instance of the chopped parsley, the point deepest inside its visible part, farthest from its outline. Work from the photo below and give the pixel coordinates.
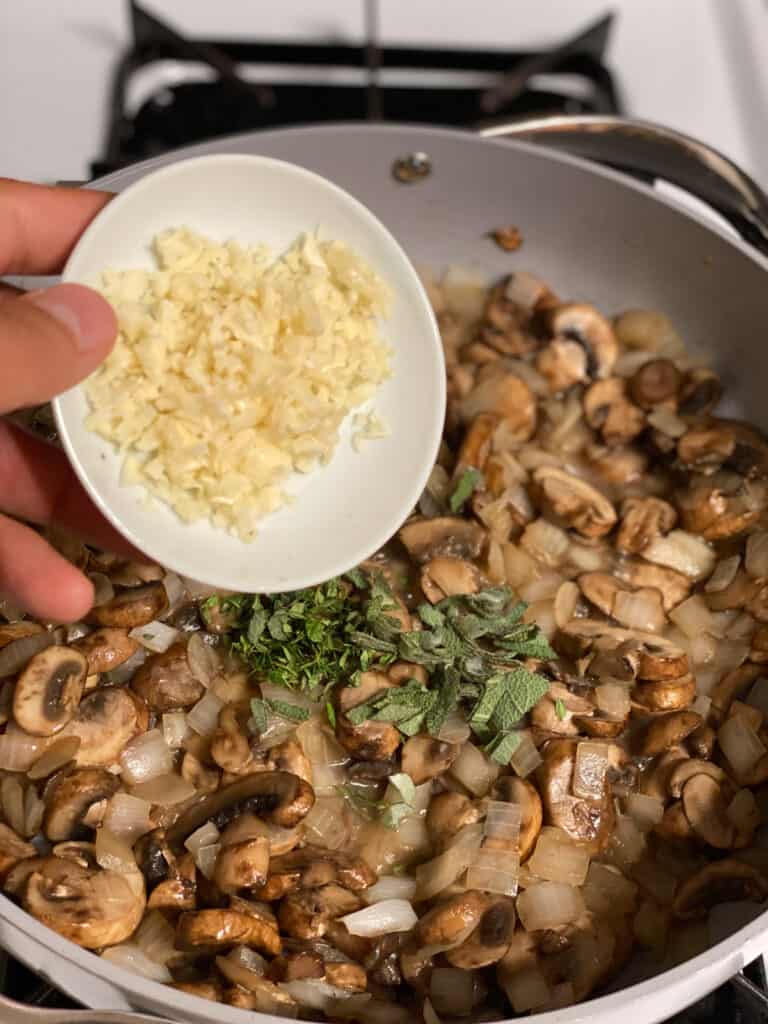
(387, 813)
(262, 708)
(560, 709)
(465, 488)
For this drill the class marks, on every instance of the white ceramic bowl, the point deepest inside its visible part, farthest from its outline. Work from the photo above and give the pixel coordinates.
(343, 511)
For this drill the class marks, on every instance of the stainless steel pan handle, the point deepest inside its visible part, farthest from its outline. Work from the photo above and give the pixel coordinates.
(652, 151)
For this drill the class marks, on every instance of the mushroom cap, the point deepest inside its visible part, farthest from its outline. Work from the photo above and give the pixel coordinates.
(69, 797)
(131, 608)
(306, 913)
(523, 793)
(666, 694)
(585, 821)
(214, 929)
(666, 731)
(424, 757)
(584, 324)
(242, 865)
(721, 881)
(705, 808)
(453, 919)
(656, 382)
(507, 396)
(91, 907)
(445, 535)
(490, 939)
(165, 681)
(445, 577)
(106, 648)
(689, 767)
(580, 504)
(48, 690)
(106, 721)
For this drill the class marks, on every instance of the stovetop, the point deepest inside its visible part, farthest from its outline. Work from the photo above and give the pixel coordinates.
(168, 91)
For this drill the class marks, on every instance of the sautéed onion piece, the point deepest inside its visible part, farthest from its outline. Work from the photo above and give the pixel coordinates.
(335, 803)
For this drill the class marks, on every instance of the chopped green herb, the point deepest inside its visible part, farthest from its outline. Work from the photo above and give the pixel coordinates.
(404, 785)
(560, 709)
(464, 489)
(393, 814)
(330, 713)
(260, 714)
(262, 708)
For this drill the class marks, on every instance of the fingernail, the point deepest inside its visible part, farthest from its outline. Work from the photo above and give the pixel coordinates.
(86, 315)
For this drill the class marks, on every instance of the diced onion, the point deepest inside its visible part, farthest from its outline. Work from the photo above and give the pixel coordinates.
(412, 833)
(454, 729)
(422, 797)
(316, 994)
(15, 655)
(381, 918)
(650, 926)
(607, 892)
(277, 731)
(527, 989)
(545, 542)
(541, 613)
(34, 810)
(174, 591)
(701, 706)
(156, 636)
(56, 756)
(175, 729)
(526, 757)
(452, 990)
(165, 790)
(549, 905)
(566, 601)
(428, 1010)
(323, 825)
(639, 609)
(327, 778)
(437, 874)
(122, 674)
(146, 757)
(502, 822)
(645, 811)
(204, 716)
(590, 769)
(157, 938)
(206, 835)
(474, 769)
(665, 421)
(556, 858)
(131, 958)
(684, 552)
(391, 887)
(756, 554)
(12, 798)
(613, 700)
(127, 816)
(758, 695)
(113, 852)
(627, 842)
(103, 591)
(18, 750)
(494, 871)
(202, 659)
(724, 574)
(741, 745)
(693, 616)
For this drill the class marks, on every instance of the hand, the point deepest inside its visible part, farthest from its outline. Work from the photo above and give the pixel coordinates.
(49, 340)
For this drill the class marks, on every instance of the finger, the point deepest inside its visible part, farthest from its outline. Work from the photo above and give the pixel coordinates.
(38, 484)
(39, 579)
(50, 340)
(39, 224)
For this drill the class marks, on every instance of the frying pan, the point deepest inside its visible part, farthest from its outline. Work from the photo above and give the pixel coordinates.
(595, 235)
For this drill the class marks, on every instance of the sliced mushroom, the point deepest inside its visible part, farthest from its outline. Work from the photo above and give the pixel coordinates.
(509, 398)
(502, 322)
(287, 756)
(445, 535)
(241, 865)
(305, 914)
(642, 520)
(674, 826)
(447, 814)
(312, 867)
(211, 930)
(350, 977)
(562, 363)
(722, 881)
(673, 586)
(608, 410)
(661, 659)
(262, 996)
(666, 694)
(491, 938)
(179, 891)
(12, 631)
(476, 443)
(424, 757)
(105, 649)
(165, 681)
(452, 920)
(700, 392)
(702, 741)
(202, 777)
(666, 731)
(686, 769)
(86, 905)
(48, 690)
(573, 500)
(446, 577)
(105, 723)
(709, 510)
(134, 607)
(296, 966)
(525, 795)
(655, 780)
(278, 797)
(583, 324)
(705, 808)
(657, 382)
(368, 741)
(12, 850)
(70, 797)
(732, 685)
(600, 588)
(585, 821)
(231, 743)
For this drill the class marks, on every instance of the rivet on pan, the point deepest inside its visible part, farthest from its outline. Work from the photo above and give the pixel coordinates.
(412, 168)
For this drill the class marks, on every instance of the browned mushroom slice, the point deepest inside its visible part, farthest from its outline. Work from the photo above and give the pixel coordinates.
(674, 826)
(262, 996)
(105, 649)
(600, 588)
(524, 794)
(106, 721)
(705, 808)
(722, 881)
(295, 966)
(642, 520)
(368, 741)
(447, 814)
(446, 577)
(312, 867)
(657, 382)
(476, 443)
(424, 757)
(11, 631)
(350, 977)
(445, 535)
(666, 731)
(673, 586)
(491, 938)
(583, 324)
(648, 330)
(134, 607)
(241, 865)
(708, 509)
(586, 821)
(666, 694)
(655, 779)
(12, 850)
(576, 502)
(503, 321)
(608, 410)
(166, 682)
(451, 920)
(702, 742)
(211, 930)
(48, 690)
(278, 797)
(562, 363)
(733, 685)
(305, 914)
(70, 797)
(178, 891)
(661, 659)
(686, 770)
(287, 756)
(91, 907)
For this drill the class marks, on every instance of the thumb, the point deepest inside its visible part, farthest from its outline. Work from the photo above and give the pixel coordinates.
(50, 340)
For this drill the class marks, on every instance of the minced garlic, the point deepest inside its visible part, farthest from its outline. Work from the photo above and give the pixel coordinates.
(233, 369)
